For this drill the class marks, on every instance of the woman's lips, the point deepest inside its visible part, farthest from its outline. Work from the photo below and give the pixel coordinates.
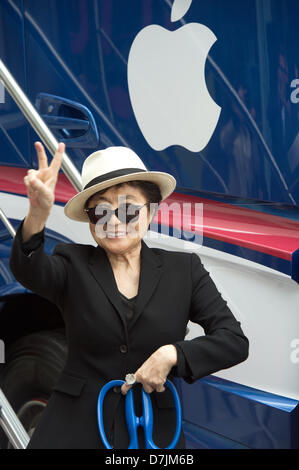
(116, 235)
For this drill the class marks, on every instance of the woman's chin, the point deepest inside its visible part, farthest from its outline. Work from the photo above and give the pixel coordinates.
(118, 243)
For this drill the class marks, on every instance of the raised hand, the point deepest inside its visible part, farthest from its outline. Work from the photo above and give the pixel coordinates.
(41, 183)
(40, 186)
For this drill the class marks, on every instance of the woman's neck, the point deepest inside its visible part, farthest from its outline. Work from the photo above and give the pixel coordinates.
(129, 260)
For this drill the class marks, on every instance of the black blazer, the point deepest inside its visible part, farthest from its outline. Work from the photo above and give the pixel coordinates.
(174, 288)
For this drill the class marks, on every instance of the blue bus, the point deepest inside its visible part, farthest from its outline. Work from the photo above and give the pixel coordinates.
(209, 92)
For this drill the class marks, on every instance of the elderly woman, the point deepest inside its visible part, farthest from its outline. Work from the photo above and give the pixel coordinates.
(125, 305)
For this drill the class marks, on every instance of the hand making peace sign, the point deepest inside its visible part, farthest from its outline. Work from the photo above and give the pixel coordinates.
(41, 183)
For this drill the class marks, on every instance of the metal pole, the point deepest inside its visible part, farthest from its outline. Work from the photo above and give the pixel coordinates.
(7, 223)
(39, 125)
(9, 421)
(11, 424)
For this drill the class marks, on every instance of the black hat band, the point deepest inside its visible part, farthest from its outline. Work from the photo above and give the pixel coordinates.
(112, 174)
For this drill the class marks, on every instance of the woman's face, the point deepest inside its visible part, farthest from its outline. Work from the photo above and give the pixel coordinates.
(114, 235)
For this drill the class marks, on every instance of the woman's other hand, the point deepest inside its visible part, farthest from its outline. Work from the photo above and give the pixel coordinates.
(154, 371)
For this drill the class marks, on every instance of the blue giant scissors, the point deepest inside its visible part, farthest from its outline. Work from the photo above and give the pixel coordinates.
(133, 421)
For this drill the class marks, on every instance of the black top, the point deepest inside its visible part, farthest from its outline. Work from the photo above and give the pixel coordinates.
(129, 306)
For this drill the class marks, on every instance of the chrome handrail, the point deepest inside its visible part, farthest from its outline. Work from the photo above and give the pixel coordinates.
(11, 424)
(9, 421)
(7, 223)
(38, 125)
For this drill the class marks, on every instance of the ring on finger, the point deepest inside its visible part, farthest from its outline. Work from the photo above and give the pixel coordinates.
(130, 379)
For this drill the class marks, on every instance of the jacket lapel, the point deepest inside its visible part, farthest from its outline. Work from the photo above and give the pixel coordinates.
(101, 269)
(150, 273)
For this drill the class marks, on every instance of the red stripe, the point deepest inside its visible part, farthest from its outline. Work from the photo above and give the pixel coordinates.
(252, 229)
(12, 181)
(267, 233)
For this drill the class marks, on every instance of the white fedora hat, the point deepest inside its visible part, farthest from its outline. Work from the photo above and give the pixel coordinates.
(113, 165)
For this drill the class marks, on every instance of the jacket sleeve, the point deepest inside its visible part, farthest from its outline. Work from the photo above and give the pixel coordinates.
(224, 343)
(181, 369)
(33, 243)
(34, 269)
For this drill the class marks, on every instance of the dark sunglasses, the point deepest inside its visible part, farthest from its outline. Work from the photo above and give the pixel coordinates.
(125, 213)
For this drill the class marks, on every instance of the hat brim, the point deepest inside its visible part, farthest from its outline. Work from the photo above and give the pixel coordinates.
(74, 208)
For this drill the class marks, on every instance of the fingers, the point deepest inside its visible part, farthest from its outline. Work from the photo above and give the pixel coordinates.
(33, 183)
(31, 176)
(160, 388)
(149, 386)
(125, 388)
(57, 159)
(41, 155)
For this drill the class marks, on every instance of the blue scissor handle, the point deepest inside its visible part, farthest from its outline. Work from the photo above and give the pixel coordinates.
(133, 421)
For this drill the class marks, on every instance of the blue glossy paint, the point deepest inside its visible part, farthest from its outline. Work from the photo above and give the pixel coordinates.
(244, 415)
(274, 208)
(268, 399)
(198, 437)
(253, 151)
(13, 126)
(69, 121)
(8, 284)
(295, 266)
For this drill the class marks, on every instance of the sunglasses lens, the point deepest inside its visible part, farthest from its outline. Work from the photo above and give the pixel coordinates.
(102, 214)
(128, 212)
(125, 213)
(99, 214)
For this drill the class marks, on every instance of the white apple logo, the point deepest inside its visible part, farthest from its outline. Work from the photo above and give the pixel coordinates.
(166, 81)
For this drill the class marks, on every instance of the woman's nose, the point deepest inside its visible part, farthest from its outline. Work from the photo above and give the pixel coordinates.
(113, 224)
(114, 220)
